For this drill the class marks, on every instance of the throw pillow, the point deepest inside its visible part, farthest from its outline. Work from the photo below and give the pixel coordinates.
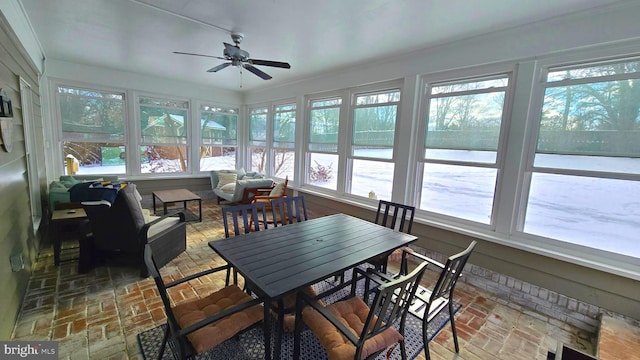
(277, 190)
(253, 175)
(230, 188)
(226, 178)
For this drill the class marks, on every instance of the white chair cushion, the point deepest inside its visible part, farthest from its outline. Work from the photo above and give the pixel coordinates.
(278, 190)
(162, 225)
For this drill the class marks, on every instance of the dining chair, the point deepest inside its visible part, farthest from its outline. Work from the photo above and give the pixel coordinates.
(391, 215)
(395, 216)
(351, 329)
(242, 218)
(430, 302)
(289, 210)
(195, 326)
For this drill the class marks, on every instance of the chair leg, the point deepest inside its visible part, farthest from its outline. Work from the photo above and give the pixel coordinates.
(425, 334)
(296, 329)
(164, 342)
(453, 326)
(403, 350)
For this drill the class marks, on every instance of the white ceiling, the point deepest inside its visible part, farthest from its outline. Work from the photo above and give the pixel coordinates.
(315, 37)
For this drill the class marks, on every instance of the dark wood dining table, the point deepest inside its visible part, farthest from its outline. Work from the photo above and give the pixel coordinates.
(279, 261)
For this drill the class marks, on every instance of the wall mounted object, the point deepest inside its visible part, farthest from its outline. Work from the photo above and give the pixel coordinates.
(6, 121)
(6, 110)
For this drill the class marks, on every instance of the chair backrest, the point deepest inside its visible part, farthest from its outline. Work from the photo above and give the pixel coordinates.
(394, 216)
(155, 273)
(451, 273)
(250, 217)
(391, 305)
(280, 188)
(288, 210)
(116, 226)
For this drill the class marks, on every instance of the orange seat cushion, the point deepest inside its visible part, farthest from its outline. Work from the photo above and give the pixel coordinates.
(290, 307)
(209, 336)
(353, 313)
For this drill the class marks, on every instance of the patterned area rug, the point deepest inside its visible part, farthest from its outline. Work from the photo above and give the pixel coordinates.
(250, 344)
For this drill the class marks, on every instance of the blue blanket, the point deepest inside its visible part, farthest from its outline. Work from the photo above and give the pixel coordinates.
(96, 191)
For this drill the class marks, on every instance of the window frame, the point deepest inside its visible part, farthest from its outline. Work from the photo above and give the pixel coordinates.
(342, 97)
(188, 125)
(58, 151)
(198, 142)
(351, 158)
(272, 142)
(427, 82)
(578, 253)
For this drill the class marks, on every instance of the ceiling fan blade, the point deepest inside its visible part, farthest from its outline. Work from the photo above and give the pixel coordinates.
(209, 56)
(219, 67)
(257, 71)
(278, 64)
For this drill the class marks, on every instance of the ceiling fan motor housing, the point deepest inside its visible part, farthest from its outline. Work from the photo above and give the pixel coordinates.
(239, 55)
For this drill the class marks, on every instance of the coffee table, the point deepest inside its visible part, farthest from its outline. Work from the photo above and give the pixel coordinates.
(178, 195)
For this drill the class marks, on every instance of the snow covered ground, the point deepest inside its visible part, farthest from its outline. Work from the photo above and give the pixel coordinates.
(598, 213)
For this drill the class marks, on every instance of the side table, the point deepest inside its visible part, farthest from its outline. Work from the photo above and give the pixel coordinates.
(60, 218)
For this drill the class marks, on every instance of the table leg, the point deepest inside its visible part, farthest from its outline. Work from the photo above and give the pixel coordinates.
(267, 330)
(164, 208)
(279, 328)
(153, 199)
(56, 243)
(200, 210)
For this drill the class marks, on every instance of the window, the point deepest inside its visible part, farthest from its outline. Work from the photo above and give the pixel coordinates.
(93, 129)
(258, 139)
(284, 142)
(585, 178)
(464, 120)
(218, 130)
(323, 142)
(372, 140)
(30, 139)
(163, 135)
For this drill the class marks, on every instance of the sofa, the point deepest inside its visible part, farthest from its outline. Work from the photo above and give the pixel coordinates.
(238, 186)
(59, 190)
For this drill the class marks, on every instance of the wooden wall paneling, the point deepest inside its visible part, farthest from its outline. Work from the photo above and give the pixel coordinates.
(16, 228)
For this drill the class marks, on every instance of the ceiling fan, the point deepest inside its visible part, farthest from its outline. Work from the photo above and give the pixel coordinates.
(240, 58)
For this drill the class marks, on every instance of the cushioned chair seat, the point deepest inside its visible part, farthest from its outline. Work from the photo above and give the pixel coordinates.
(353, 313)
(209, 336)
(289, 302)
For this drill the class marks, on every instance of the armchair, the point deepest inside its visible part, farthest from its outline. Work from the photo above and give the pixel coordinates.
(266, 196)
(427, 303)
(352, 329)
(121, 228)
(196, 326)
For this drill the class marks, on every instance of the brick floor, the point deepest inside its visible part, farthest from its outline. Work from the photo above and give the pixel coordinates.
(98, 315)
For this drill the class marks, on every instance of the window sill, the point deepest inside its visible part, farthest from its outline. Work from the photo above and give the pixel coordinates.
(616, 264)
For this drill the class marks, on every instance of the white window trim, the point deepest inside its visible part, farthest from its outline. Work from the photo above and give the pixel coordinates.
(498, 212)
(31, 155)
(196, 141)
